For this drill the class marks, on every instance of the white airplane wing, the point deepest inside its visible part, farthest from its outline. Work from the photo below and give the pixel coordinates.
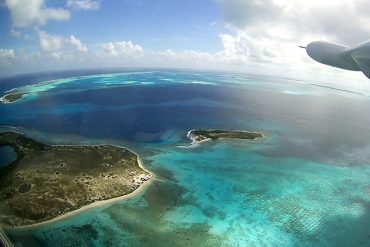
(355, 59)
(361, 55)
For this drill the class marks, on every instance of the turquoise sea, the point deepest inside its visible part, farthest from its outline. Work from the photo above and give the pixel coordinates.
(306, 184)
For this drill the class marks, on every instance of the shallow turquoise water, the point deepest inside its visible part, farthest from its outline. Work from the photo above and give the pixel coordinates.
(225, 194)
(306, 184)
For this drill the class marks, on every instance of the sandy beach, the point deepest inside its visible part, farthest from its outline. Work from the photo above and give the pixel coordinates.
(3, 100)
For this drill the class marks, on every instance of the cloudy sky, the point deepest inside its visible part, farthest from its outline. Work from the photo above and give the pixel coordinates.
(251, 36)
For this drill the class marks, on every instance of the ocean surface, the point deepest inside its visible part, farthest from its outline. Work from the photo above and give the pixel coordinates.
(307, 183)
(8, 155)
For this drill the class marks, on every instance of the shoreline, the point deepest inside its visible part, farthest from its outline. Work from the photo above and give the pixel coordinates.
(194, 143)
(3, 99)
(97, 204)
(141, 189)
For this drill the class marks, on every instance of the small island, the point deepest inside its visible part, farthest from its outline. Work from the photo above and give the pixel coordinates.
(12, 97)
(197, 136)
(47, 181)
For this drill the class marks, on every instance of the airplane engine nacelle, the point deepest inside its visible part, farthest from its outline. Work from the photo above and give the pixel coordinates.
(331, 54)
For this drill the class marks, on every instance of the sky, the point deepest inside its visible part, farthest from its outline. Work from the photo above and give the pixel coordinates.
(250, 36)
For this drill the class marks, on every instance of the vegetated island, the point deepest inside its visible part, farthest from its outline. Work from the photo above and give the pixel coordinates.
(47, 181)
(11, 97)
(197, 136)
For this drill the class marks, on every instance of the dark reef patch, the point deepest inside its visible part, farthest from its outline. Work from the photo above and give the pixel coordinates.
(24, 188)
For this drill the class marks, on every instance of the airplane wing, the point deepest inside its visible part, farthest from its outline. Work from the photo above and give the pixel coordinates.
(361, 55)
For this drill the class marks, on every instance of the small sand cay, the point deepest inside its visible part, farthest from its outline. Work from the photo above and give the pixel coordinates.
(198, 136)
(46, 182)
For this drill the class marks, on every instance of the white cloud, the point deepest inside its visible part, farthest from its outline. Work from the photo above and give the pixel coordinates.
(236, 49)
(77, 43)
(244, 48)
(239, 49)
(50, 43)
(19, 34)
(169, 58)
(83, 4)
(6, 56)
(240, 52)
(343, 21)
(266, 33)
(58, 45)
(122, 48)
(27, 13)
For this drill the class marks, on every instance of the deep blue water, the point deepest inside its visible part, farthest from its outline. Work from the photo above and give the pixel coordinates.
(8, 155)
(306, 184)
